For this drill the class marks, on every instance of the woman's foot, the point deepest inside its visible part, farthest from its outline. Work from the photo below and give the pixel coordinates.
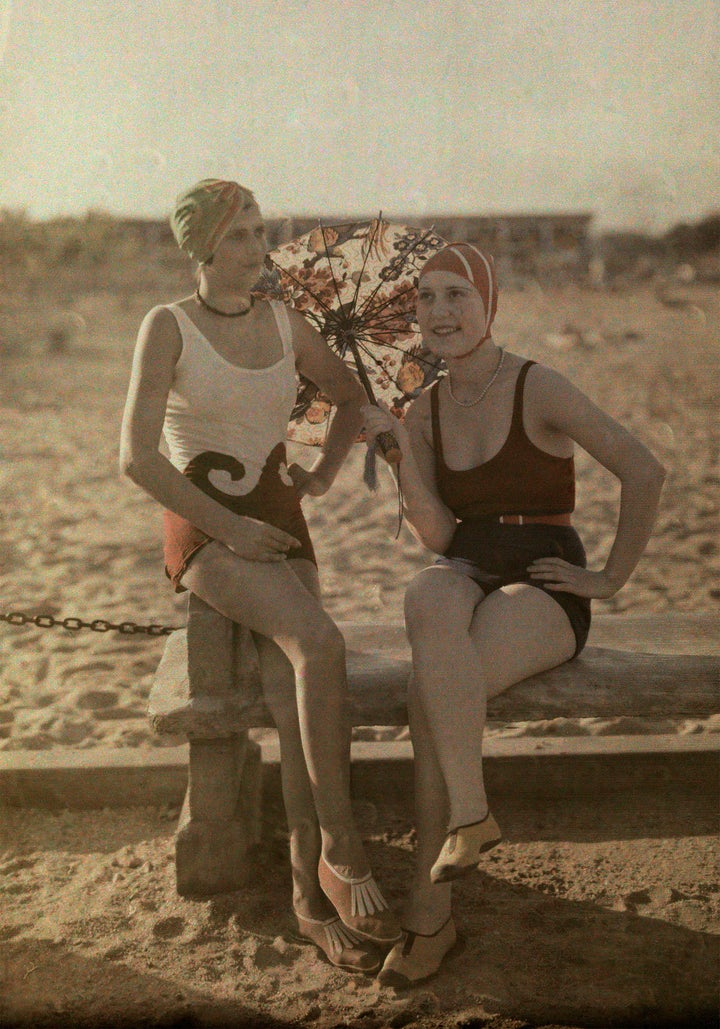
(341, 946)
(463, 847)
(359, 903)
(417, 956)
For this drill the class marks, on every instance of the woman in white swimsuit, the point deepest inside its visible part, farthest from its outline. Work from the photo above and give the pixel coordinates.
(215, 373)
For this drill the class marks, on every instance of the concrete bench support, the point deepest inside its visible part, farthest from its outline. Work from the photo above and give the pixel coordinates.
(220, 818)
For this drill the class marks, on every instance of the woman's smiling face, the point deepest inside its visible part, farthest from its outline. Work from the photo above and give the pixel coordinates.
(450, 312)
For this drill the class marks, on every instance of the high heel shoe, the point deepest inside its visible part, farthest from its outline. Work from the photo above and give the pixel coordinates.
(417, 956)
(360, 904)
(341, 946)
(463, 847)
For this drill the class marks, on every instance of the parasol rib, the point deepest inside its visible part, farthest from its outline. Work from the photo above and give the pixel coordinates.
(406, 255)
(364, 265)
(332, 272)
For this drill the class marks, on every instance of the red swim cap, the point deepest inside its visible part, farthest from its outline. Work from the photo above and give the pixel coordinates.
(467, 261)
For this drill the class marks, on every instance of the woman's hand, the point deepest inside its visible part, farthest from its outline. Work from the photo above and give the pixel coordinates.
(557, 574)
(258, 541)
(307, 483)
(379, 419)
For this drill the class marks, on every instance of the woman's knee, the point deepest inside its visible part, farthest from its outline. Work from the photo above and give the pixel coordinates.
(421, 597)
(321, 642)
(436, 595)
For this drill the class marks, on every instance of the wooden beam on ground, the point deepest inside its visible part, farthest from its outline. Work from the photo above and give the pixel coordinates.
(552, 767)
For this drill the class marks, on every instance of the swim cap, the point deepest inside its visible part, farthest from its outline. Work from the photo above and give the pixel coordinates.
(479, 269)
(203, 214)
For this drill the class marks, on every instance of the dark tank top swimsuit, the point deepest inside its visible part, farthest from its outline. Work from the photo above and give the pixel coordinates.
(511, 510)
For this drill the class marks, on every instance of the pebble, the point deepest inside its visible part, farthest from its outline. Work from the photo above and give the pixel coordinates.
(267, 956)
(96, 699)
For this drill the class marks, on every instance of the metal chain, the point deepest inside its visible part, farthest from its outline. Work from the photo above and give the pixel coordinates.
(97, 625)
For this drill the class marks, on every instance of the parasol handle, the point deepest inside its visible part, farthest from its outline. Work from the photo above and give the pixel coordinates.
(389, 447)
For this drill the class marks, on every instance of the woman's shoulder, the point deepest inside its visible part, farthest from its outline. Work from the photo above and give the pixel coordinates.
(547, 392)
(163, 313)
(160, 329)
(540, 376)
(296, 318)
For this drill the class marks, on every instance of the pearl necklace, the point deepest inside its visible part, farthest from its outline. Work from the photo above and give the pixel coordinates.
(472, 403)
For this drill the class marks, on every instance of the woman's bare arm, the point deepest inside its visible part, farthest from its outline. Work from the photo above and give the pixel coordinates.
(565, 409)
(431, 521)
(317, 362)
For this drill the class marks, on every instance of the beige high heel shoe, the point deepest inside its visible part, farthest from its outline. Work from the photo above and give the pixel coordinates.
(417, 956)
(463, 848)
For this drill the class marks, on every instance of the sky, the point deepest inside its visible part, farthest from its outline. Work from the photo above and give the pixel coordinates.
(354, 106)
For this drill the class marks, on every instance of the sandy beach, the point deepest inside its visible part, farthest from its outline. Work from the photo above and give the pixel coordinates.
(575, 907)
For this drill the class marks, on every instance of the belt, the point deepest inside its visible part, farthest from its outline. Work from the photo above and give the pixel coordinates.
(546, 519)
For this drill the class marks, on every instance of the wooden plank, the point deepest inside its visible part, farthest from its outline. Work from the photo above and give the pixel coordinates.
(601, 682)
(662, 633)
(666, 633)
(649, 766)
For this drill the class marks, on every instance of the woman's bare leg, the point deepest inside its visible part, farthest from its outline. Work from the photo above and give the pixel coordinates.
(428, 904)
(449, 683)
(270, 599)
(278, 679)
(513, 633)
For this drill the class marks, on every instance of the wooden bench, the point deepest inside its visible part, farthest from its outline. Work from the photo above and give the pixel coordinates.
(207, 688)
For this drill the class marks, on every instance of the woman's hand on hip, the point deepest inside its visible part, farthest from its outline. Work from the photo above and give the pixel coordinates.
(258, 541)
(555, 574)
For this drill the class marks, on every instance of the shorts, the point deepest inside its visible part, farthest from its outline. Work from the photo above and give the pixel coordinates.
(273, 501)
(495, 555)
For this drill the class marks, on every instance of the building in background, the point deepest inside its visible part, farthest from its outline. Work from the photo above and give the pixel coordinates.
(546, 247)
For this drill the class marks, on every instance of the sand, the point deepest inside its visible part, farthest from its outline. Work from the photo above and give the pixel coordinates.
(561, 929)
(602, 915)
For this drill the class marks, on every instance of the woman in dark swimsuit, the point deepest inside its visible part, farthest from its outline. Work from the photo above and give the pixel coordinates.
(488, 481)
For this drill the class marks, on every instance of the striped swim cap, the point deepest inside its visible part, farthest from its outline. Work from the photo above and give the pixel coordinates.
(203, 214)
(470, 263)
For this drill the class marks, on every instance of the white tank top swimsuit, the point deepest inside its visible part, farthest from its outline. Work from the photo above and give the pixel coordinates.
(225, 428)
(223, 423)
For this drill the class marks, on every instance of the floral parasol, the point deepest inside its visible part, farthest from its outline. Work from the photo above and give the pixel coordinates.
(356, 283)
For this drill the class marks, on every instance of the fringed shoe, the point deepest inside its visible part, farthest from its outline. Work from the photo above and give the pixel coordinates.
(341, 946)
(417, 956)
(360, 904)
(463, 847)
